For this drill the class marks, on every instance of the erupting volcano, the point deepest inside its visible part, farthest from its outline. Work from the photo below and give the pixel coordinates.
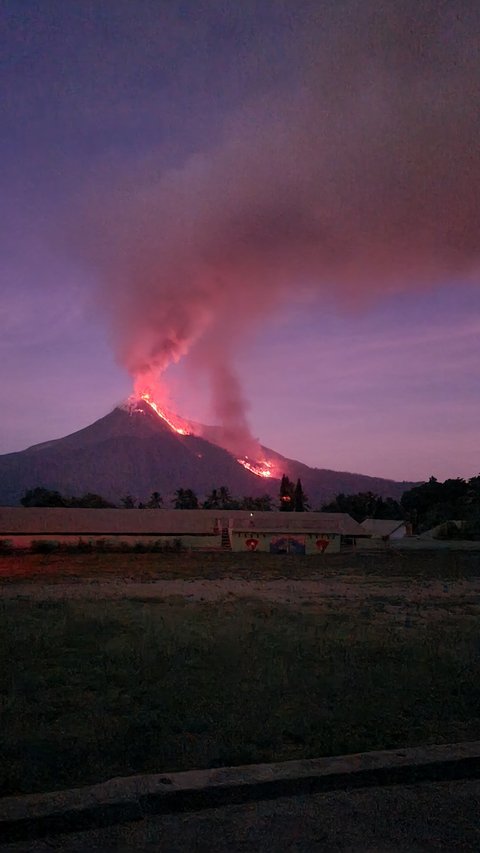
(261, 468)
(141, 447)
(173, 421)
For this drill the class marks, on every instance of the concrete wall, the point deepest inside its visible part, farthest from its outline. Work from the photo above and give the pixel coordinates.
(212, 542)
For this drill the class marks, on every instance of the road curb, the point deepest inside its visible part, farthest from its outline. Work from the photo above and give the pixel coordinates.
(131, 798)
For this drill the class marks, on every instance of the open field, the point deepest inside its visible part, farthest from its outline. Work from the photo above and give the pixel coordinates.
(150, 567)
(117, 664)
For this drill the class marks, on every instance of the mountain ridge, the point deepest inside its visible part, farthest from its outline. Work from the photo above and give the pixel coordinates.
(133, 451)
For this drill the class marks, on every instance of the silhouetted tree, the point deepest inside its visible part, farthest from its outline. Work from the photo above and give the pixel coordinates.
(433, 503)
(226, 500)
(220, 499)
(46, 497)
(264, 503)
(185, 499)
(365, 505)
(43, 497)
(91, 501)
(261, 504)
(300, 500)
(155, 502)
(212, 501)
(128, 502)
(286, 494)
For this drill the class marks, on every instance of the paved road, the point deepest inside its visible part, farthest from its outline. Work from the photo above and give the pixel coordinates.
(433, 816)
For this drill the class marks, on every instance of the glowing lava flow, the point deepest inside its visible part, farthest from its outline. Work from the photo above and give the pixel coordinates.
(261, 469)
(163, 415)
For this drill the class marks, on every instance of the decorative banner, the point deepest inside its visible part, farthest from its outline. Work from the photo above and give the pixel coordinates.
(251, 544)
(322, 544)
(287, 545)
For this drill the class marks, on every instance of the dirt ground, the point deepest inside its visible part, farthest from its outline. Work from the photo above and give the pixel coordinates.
(323, 586)
(125, 663)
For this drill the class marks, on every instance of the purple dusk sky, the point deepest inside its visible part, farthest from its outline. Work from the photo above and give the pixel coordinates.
(342, 373)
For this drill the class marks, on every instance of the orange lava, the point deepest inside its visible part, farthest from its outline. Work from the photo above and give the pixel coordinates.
(260, 469)
(173, 424)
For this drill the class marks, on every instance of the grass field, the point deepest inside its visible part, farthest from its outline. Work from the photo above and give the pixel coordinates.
(147, 567)
(90, 689)
(371, 651)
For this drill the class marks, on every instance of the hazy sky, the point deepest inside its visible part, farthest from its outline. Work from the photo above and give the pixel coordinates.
(166, 156)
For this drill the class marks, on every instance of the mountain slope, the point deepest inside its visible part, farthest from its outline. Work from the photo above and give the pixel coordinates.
(133, 451)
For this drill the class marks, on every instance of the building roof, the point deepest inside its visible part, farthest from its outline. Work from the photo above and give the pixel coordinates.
(382, 526)
(305, 522)
(62, 521)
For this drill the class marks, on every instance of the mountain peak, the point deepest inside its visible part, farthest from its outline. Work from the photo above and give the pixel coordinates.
(138, 448)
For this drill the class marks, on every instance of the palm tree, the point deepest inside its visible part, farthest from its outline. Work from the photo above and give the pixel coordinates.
(212, 501)
(185, 499)
(225, 497)
(156, 501)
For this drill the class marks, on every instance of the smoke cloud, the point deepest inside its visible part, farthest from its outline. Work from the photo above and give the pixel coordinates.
(355, 176)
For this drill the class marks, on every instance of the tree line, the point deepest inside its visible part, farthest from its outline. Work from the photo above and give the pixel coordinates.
(291, 498)
(424, 506)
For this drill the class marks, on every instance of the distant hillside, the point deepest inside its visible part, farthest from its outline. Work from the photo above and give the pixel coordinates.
(135, 452)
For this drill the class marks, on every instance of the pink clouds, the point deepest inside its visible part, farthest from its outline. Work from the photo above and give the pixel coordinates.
(358, 179)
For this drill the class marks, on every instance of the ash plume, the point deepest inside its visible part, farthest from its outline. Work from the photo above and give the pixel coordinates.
(357, 175)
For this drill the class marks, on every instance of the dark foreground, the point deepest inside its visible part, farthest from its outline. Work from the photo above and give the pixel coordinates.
(93, 689)
(433, 816)
(122, 664)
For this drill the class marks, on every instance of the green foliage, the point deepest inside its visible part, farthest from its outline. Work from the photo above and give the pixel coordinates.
(365, 505)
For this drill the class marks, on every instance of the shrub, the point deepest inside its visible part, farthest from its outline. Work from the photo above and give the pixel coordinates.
(44, 546)
(82, 546)
(6, 546)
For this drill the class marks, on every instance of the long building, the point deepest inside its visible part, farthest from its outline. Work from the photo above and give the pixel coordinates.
(237, 530)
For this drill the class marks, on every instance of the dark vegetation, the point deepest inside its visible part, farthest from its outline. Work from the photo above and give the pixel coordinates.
(46, 497)
(219, 498)
(292, 497)
(91, 690)
(425, 506)
(365, 505)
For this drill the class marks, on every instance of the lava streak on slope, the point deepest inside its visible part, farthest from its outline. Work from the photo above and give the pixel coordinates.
(175, 423)
(261, 468)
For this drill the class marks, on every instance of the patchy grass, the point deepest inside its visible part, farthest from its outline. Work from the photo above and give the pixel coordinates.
(90, 690)
(56, 567)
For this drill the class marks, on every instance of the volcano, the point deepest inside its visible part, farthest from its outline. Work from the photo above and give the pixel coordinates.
(137, 449)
